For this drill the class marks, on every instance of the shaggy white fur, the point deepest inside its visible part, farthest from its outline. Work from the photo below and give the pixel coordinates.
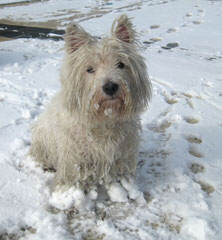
(88, 136)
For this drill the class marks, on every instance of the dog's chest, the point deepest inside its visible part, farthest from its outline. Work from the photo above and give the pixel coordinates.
(102, 144)
(107, 142)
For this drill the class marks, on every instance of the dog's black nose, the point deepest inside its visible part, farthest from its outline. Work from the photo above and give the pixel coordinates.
(110, 88)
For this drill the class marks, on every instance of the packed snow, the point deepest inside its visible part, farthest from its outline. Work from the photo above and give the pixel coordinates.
(180, 161)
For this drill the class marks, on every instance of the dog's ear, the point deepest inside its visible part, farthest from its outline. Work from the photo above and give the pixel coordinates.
(122, 29)
(75, 37)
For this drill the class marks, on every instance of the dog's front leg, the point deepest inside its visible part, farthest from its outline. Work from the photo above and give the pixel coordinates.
(123, 187)
(68, 165)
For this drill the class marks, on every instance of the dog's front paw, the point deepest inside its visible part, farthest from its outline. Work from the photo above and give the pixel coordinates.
(123, 190)
(133, 192)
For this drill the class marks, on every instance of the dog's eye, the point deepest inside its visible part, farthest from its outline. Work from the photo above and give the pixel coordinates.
(90, 70)
(120, 65)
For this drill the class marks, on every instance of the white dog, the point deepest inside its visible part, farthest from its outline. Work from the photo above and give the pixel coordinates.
(89, 133)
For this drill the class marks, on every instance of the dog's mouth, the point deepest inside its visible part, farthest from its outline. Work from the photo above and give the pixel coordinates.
(109, 107)
(105, 107)
(111, 103)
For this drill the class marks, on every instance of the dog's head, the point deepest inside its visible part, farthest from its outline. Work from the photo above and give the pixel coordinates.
(104, 79)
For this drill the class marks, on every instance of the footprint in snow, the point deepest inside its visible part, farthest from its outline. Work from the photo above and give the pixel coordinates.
(161, 127)
(194, 139)
(197, 168)
(171, 45)
(206, 187)
(171, 30)
(196, 22)
(195, 152)
(189, 14)
(192, 120)
(171, 100)
(154, 26)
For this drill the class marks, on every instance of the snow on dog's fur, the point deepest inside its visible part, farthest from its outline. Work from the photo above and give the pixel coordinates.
(90, 131)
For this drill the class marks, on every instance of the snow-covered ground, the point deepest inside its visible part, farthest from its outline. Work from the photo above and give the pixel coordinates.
(180, 162)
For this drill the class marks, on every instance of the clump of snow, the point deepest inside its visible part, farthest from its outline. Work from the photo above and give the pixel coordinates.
(108, 111)
(93, 194)
(72, 197)
(117, 193)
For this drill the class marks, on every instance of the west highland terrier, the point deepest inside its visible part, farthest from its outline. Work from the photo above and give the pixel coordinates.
(89, 133)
